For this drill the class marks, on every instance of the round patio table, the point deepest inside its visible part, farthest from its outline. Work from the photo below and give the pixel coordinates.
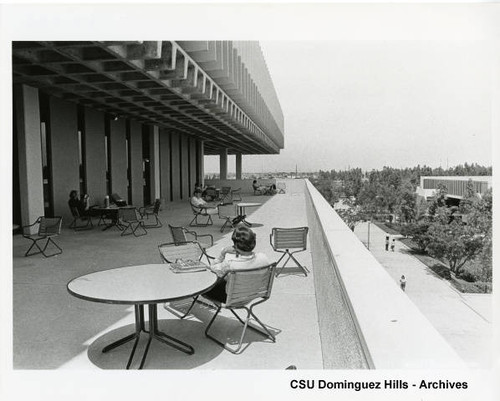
(142, 285)
(241, 210)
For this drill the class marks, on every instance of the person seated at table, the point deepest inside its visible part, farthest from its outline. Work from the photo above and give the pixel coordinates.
(199, 202)
(198, 186)
(270, 190)
(82, 204)
(239, 256)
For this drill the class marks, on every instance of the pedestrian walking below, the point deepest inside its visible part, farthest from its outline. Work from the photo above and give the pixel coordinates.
(402, 282)
(393, 244)
(386, 242)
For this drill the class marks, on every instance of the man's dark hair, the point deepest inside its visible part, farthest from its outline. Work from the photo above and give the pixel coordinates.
(244, 239)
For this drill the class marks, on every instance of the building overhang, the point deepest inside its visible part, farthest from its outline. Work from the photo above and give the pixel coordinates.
(153, 82)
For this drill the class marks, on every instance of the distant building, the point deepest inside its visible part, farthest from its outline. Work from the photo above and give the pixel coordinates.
(455, 185)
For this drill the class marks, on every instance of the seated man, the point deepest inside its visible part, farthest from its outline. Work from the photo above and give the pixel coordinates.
(199, 202)
(240, 256)
(270, 190)
(81, 205)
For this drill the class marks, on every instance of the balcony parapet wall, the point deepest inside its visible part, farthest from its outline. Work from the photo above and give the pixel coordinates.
(392, 332)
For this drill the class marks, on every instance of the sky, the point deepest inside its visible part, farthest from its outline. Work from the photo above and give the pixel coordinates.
(369, 104)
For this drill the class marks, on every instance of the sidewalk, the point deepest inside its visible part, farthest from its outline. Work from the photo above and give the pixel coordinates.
(464, 320)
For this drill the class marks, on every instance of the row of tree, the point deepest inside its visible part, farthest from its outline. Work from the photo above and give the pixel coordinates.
(456, 235)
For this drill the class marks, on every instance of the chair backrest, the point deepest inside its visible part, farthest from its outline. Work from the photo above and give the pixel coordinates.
(210, 191)
(117, 200)
(157, 206)
(244, 286)
(289, 238)
(178, 234)
(74, 211)
(171, 251)
(50, 225)
(128, 214)
(226, 210)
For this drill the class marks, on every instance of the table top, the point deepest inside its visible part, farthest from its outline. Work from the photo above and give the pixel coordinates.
(144, 284)
(111, 207)
(249, 204)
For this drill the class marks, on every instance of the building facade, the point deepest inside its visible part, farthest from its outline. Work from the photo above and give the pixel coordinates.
(456, 186)
(134, 118)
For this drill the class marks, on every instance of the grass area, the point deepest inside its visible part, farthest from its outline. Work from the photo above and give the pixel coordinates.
(438, 267)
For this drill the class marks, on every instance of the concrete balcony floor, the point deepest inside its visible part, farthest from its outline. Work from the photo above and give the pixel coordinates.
(54, 330)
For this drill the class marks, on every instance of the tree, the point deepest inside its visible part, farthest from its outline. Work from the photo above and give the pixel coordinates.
(351, 214)
(418, 232)
(452, 240)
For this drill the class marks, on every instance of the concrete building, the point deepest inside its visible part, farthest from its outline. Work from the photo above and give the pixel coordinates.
(134, 118)
(455, 185)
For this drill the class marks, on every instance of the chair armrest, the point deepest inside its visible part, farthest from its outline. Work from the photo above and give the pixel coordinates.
(31, 225)
(206, 235)
(37, 221)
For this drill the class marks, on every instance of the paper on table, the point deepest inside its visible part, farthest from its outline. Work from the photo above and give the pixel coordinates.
(187, 266)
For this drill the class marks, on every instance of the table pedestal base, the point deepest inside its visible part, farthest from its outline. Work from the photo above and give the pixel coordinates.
(153, 332)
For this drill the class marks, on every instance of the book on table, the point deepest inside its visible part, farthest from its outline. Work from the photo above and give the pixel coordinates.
(187, 266)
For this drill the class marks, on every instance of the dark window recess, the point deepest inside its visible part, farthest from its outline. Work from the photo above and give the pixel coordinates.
(146, 165)
(129, 163)
(48, 204)
(82, 151)
(107, 149)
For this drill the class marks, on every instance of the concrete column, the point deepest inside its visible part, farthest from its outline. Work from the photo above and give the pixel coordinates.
(185, 166)
(223, 164)
(136, 173)
(176, 166)
(201, 163)
(95, 156)
(154, 152)
(193, 175)
(238, 166)
(27, 112)
(64, 155)
(165, 170)
(117, 139)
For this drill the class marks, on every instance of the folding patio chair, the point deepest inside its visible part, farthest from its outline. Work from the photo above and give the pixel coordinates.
(79, 222)
(170, 252)
(225, 195)
(285, 239)
(227, 213)
(130, 219)
(48, 228)
(180, 236)
(153, 211)
(245, 289)
(211, 193)
(281, 187)
(236, 195)
(200, 212)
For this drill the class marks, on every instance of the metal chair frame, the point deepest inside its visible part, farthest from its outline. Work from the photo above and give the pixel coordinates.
(200, 212)
(281, 187)
(87, 222)
(153, 210)
(226, 195)
(129, 220)
(228, 218)
(245, 290)
(48, 227)
(236, 195)
(184, 250)
(284, 239)
(179, 236)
